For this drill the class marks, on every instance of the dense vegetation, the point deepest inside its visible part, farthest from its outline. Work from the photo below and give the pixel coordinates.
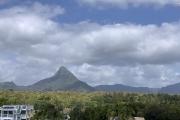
(96, 106)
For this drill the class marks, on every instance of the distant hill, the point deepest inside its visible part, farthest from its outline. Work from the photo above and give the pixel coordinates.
(124, 88)
(171, 89)
(7, 85)
(63, 79)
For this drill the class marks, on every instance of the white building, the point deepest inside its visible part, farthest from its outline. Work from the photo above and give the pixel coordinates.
(139, 118)
(16, 112)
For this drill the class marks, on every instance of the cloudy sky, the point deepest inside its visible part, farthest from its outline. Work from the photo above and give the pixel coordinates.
(131, 42)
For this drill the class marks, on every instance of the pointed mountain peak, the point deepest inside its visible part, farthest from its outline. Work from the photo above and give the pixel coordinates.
(63, 71)
(63, 79)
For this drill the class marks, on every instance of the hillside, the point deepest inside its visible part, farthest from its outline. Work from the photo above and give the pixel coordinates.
(124, 88)
(175, 88)
(8, 85)
(63, 79)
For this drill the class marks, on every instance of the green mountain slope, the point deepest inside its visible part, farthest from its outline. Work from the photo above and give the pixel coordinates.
(63, 79)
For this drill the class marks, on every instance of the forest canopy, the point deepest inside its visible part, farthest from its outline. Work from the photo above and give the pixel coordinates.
(97, 105)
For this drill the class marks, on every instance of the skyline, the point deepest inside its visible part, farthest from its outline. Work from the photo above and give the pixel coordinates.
(126, 42)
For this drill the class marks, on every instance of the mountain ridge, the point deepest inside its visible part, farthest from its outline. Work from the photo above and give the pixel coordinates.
(170, 89)
(175, 88)
(64, 80)
(125, 88)
(61, 80)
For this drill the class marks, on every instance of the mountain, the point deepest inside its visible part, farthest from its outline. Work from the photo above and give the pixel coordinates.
(63, 79)
(174, 89)
(124, 88)
(8, 85)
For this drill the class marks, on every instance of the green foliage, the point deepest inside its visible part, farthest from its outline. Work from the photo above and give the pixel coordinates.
(162, 112)
(97, 105)
(45, 110)
(77, 112)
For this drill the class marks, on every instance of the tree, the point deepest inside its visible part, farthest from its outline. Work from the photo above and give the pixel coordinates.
(44, 110)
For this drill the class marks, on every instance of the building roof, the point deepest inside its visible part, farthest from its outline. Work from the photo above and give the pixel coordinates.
(139, 118)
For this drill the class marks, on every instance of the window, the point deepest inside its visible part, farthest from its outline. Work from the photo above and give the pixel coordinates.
(5, 112)
(23, 112)
(10, 112)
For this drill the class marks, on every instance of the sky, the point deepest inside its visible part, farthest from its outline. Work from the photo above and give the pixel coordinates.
(130, 42)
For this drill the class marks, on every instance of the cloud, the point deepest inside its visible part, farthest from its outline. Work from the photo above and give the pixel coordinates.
(42, 10)
(23, 27)
(126, 3)
(123, 44)
(33, 44)
(139, 75)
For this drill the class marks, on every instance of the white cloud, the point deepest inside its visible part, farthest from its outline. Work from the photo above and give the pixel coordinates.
(139, 75)
(42, 10)
(126, 3)
(139, 55)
